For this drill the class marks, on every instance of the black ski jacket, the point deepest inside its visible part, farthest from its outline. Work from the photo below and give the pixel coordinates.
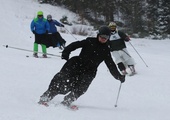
(92, 54)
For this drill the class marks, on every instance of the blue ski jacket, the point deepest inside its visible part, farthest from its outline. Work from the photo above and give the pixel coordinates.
(40, 25)
(53, 24)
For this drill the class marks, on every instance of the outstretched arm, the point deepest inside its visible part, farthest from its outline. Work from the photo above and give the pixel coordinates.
(58, 24)
(124, 36)
(113, 69)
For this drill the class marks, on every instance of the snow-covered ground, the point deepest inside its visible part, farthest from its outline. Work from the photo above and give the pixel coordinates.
(144, 96)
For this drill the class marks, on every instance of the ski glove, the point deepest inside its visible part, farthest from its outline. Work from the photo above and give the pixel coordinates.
(65, 56)
(62, 25)
(33, 32)
(121, 78)
(46, 32)
(127, 39)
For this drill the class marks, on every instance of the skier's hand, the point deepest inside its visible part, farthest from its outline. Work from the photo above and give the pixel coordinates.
(46, 32)
(62, 25)
(33, 32)
(65, 56)
(121, 78)
(127, 39)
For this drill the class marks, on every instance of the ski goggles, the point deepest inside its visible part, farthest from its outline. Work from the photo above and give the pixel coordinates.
(49, 18)
(113, 28)
(104, 36)
(40, 15)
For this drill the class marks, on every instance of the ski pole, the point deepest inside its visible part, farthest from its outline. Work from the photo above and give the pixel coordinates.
(138, 54)
(7, 46)
(118, 95)
(70, 33)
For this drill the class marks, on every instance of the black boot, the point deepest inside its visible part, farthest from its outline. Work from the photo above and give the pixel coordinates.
(68, 99)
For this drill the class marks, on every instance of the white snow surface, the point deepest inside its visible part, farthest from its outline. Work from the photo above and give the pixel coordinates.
(145, 96)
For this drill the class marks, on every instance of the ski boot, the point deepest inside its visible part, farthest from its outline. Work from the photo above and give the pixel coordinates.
(43, 103)
(35, 55)
(60, 48)
(124, 72)
(63, 45)
(132, 69)
(44, 56)
(68, 105)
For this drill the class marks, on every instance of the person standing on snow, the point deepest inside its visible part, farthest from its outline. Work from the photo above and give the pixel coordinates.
(119, 51)
(40, 27)
(54, 37)
(78, 72)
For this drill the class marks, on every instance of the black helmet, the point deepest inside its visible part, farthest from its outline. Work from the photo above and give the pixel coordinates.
(49, 17)
(104, 30)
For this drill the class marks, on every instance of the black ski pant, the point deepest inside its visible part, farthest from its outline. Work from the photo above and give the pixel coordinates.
(40, 39)
(72, 78)
(54, 39)
(121, 66)
(60, 39)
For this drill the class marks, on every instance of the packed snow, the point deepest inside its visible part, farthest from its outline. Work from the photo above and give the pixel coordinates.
(144, 96)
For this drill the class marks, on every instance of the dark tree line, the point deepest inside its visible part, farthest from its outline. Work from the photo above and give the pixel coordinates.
(141, 17)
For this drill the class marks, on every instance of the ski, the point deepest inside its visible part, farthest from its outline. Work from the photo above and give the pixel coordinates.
(73, 107)
(43, 103)
(131, 74)
(37, 57)
(70, 107)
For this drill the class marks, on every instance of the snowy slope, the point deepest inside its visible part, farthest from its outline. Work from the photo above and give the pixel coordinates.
(144, 96)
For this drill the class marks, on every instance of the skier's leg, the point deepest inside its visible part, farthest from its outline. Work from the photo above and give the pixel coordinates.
(35, 50)
(44, 50)
(36, 42)
(35, 47)
(61, 82)
(61, 40)
(35, 54)
(128, 60)
(80, 86)
(54, 40)
(119, 61)
(122, 68)
(58, 85)
(132, 69)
